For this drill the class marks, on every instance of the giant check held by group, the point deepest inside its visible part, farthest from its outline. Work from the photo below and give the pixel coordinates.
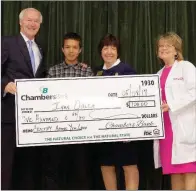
(88, 110)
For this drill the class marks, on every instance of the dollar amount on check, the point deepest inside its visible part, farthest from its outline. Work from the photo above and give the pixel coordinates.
(88, 110)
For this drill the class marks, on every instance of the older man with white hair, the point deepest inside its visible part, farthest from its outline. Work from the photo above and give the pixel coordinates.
(21, 58)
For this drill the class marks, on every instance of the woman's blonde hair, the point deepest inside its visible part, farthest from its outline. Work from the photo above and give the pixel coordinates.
(175, 40)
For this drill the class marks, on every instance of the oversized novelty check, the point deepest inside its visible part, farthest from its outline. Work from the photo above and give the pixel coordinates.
(88, 110)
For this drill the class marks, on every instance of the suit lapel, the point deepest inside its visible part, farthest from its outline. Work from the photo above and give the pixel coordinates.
(24, 50)
(40, 49)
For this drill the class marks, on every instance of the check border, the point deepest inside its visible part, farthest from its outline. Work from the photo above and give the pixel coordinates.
(81, 141)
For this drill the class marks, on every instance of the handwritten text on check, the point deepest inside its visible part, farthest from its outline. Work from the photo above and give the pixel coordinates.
(87, 110)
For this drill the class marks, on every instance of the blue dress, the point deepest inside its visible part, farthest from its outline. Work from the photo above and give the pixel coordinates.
(117, 153)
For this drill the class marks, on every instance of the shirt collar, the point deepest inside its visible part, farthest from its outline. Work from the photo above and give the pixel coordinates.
(25, 38)
(115, 64)
(70, 65)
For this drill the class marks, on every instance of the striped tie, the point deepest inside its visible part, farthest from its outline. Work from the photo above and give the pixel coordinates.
(31, 55)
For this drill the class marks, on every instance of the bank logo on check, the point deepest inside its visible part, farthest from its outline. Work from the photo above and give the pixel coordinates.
(44, 90)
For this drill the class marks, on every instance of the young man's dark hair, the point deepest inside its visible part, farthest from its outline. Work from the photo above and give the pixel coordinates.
(73, 36)
(109, 40)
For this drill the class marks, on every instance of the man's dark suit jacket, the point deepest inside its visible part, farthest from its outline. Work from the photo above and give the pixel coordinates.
(15, 64)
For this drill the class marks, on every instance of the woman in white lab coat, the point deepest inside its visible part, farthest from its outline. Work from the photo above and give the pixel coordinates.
(177, 152)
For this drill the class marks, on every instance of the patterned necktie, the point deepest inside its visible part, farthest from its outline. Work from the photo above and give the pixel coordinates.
(31, 55)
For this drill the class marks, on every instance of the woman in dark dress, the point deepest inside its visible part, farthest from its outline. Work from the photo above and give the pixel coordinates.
(116, 153)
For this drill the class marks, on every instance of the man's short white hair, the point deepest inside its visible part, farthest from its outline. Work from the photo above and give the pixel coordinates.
(21, 15)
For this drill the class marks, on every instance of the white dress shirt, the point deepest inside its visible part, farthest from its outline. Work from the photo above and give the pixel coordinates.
(115, 64)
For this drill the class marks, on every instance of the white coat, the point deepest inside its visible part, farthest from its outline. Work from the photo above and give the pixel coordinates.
(180, 91)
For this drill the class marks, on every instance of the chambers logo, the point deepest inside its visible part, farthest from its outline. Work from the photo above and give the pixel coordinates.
(43, 90)
(44, 95)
